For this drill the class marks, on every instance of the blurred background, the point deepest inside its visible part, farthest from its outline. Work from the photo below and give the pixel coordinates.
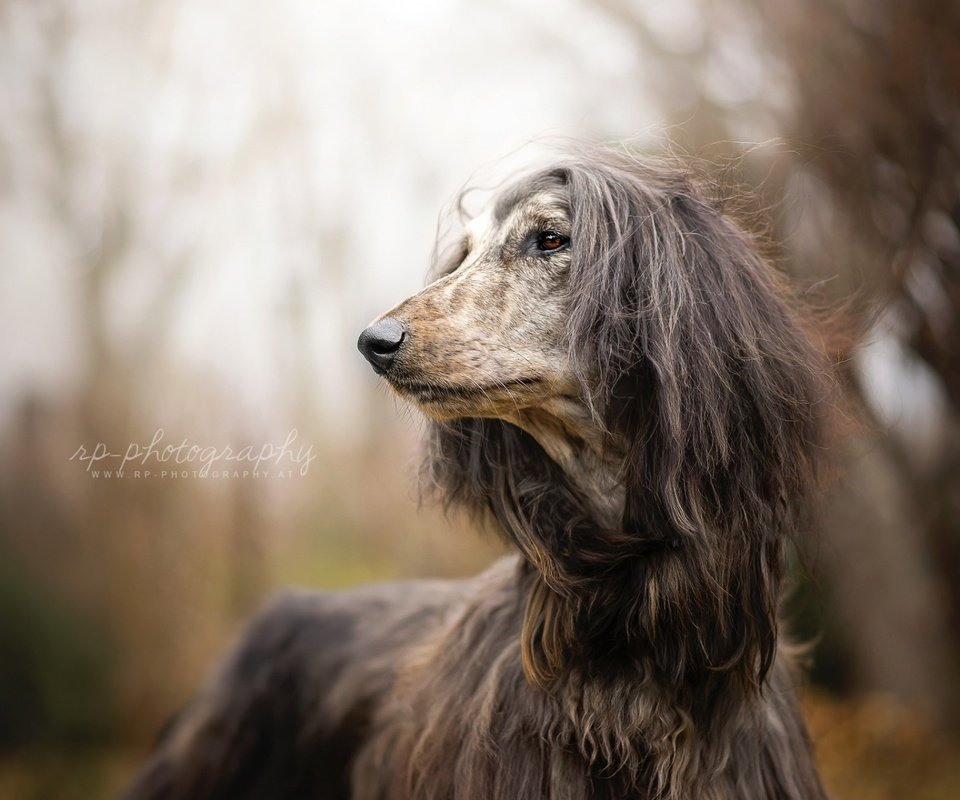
(201, 205)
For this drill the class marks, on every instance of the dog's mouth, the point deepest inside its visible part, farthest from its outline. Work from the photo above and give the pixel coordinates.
(438, 393)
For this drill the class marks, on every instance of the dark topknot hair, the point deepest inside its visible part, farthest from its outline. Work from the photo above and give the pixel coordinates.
(710, 388)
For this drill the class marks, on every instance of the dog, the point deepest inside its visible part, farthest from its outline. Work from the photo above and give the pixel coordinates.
(617, 378)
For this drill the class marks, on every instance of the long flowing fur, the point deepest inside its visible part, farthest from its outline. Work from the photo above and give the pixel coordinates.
(701, 372)
(627, 657)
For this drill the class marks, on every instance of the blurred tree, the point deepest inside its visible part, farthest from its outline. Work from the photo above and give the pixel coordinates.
(866, 96)
(112, 551)
(876, 95)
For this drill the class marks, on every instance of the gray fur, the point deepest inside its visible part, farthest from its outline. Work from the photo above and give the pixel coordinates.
(641, 412)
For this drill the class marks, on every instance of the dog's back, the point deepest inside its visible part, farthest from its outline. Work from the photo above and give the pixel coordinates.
(286, 710)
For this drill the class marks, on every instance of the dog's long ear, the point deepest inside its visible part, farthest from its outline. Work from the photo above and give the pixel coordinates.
(712, 386)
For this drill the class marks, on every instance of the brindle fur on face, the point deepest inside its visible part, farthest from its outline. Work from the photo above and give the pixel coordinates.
(486, 339)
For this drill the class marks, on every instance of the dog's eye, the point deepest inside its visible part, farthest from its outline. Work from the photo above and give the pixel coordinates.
(551, 240)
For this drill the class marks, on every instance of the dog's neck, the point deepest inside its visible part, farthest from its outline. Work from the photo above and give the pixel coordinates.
(567, 432)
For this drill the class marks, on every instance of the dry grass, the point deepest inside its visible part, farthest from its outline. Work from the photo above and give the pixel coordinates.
(877, 749)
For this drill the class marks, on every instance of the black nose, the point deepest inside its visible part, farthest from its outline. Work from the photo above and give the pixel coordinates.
(380, 342)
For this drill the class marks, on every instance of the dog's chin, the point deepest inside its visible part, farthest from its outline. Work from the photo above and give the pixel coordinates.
(445, 399)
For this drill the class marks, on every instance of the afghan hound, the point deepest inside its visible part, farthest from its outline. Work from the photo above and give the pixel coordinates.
(614, 375)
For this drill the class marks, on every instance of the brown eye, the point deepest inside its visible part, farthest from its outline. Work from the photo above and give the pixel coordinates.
(551, 240)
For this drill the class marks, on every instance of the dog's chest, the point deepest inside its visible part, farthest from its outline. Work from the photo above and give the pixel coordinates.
(462, 722)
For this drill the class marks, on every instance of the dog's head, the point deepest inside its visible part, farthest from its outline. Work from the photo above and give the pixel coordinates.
(603, 315)
(488, 337)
